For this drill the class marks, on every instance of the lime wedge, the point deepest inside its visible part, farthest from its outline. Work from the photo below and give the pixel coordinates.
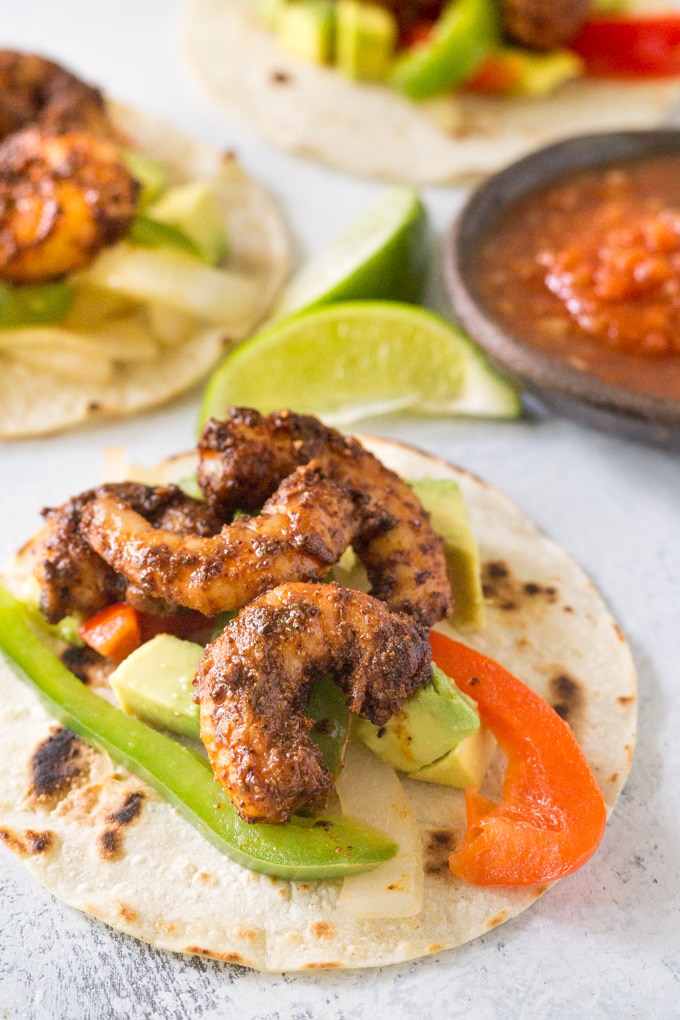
(382, 255)
(346, 361)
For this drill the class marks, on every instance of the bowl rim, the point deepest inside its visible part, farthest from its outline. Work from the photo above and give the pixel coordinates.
(537, 370)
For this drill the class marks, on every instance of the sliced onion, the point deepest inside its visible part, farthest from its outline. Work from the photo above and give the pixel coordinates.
(370, 791)
(216, 295)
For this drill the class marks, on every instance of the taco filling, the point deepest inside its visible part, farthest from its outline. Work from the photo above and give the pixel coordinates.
(263, 650)
(129, 258)
(429, 91)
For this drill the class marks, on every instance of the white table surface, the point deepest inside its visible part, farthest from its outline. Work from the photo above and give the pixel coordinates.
(605, 942)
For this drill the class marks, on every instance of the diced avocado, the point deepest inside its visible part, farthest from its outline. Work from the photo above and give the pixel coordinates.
(365, 40)
(465, 33)
(193, 208)
(269, 12)
(539, 74)
(443, 500)
(151, 175)
(306, 29)
(432, 722)
(155, 683)
(465, 766)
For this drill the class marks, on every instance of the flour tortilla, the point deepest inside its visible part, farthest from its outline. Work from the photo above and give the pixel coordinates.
(371, 131)
(167, 886)
(35, 403)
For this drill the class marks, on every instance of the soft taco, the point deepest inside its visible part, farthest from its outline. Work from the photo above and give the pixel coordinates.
(103, 841)
(521, 99)
(149, 256)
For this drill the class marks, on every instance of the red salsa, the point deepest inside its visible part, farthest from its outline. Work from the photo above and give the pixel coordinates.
(588, 270)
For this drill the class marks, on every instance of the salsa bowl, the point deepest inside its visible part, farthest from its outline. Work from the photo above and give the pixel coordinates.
(609, 393)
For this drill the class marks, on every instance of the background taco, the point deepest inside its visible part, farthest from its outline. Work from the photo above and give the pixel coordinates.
(372, 130)
(150, 315)
(100, 840)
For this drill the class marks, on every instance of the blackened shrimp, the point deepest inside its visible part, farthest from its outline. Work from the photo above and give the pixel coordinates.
(74, 579)
(243, 459)
(62, 199)
(36, 91)
(253, 682)
(301, 531)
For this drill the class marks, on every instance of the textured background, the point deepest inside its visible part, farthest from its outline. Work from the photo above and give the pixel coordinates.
(605, 942)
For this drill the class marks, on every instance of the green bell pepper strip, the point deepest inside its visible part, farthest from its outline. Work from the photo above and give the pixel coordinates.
(150, 233)
(34, 304)
(464, 35)
(332, 847)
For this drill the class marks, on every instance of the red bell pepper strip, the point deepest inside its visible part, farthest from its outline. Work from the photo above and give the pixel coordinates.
(551, 816)
(637, 47)
(113, 632)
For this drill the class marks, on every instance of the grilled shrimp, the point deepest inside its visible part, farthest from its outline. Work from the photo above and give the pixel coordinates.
(243, 459)
(544, 24)
(36, 91)
(253, 682)
(74, 579)
(301, 531)
(62, 199)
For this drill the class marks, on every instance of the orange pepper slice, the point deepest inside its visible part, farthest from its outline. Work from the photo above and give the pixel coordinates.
(551, 816)
(113, 632)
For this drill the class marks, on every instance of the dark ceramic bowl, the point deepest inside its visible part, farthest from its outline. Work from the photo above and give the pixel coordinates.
(553, 384)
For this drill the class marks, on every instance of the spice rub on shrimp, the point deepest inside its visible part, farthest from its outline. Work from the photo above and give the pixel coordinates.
(253, 683)
(244, 458)
(36, 91)
(300, 533)
(73, 578)
(62, 199)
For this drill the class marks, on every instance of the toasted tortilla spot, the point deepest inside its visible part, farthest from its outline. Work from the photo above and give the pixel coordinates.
(566, 697)
(498, 919)
(613, 778)
(127, 913)
(509, 593)
(281, 78)
(322, 966)
(86, 664)
(58, 764)
(129, 810)
(323, 930)
(31, 842)
(109, 844)
(626, 699)
(226, 957)
(440, 843)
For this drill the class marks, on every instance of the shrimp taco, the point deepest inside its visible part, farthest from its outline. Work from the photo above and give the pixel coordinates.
(130, 256)
(429, 91)
(303, 841)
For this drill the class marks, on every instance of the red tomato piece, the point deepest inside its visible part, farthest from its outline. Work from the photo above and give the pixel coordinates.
(637, 47)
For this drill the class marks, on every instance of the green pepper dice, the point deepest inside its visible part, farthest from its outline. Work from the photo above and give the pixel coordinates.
(306, 848)
(463, 36)
(34, 304)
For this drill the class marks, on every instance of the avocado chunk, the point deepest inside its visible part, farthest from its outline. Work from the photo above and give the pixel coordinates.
(432, 723)
(193, 209)
(466, 32)
(444, 502)
(305, 30)
(365, 40)
(155, 683)
(465, 766)
(269, 12)
(149, 174)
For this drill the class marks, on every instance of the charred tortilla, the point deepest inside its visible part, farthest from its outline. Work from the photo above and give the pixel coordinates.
(371, 131)
(103, 842)
(38, 402)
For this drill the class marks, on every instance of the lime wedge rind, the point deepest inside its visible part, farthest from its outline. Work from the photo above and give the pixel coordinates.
(381, 256)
